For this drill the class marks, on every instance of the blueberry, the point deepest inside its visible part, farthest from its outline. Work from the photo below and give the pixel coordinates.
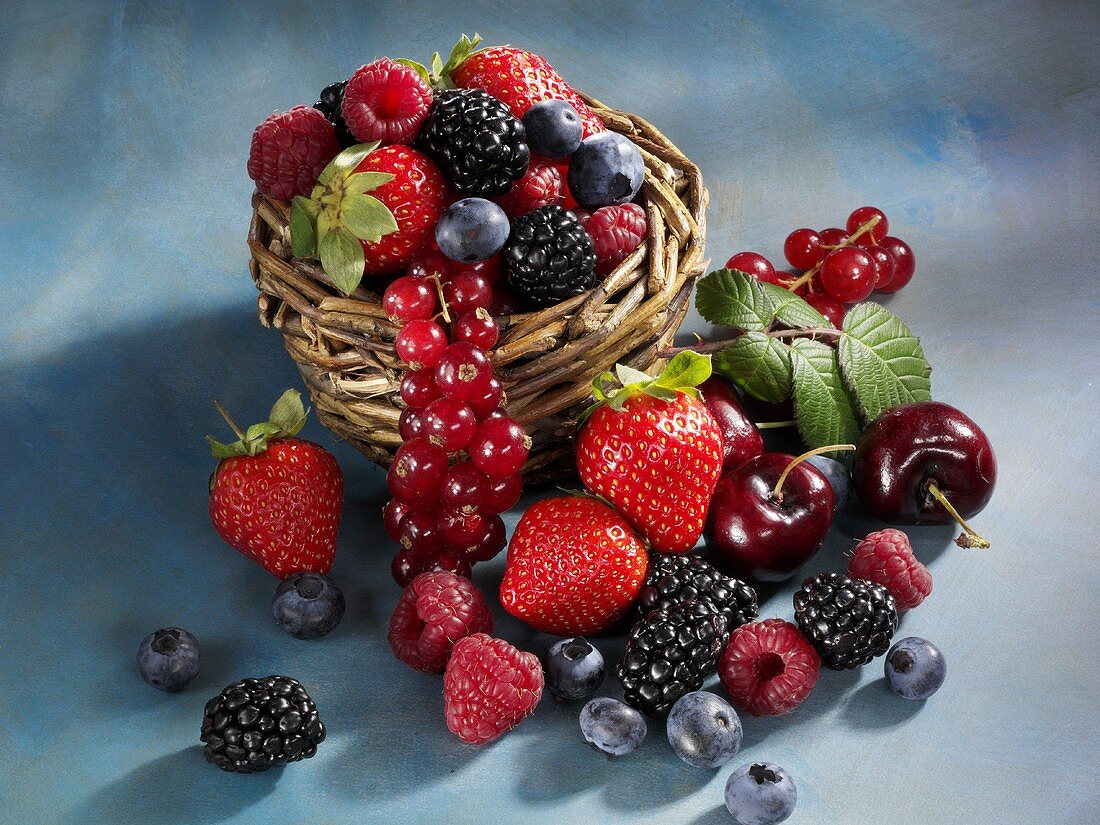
(168, 659)
(307, 605)
(838, 477)
(915, 668)
(611, 726)
(574, 669)
(760, 793)
(471, 229)
(554, 129)
(704, 730)
(606, 169)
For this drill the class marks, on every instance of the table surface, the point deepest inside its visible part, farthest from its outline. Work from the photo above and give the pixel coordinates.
(124, 137)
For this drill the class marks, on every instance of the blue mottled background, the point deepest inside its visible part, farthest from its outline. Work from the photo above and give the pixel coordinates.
(124, 128)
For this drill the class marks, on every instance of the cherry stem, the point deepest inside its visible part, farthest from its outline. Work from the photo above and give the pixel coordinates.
(772, 425)
(229, 420)
(777, 492)
(851, 239)
(970, 536)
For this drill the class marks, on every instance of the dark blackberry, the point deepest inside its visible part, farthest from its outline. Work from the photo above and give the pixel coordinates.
(548, 257)
(848, 621)
(256, 724)
(476, 141)
(674, 579)
(669, 653)
(332, 96)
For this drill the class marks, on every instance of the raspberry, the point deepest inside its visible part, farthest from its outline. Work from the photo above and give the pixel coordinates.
(541, 185)
(886, 558)
(386, 101)
(768, 668)
(616, 231)
(489, 688)
(289, 150)
(434, 612)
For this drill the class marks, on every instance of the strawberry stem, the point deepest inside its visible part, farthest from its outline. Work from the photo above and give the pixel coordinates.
(970, 536)
(777, 493)
(229, 420)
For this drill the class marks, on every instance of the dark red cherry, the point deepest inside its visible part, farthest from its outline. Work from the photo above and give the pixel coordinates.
(741, 440)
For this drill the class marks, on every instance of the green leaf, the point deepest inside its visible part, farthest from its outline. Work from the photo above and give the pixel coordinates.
(792, 311)
(345, 162)
(629, 375)
(220, 450)
(362, 182)
(823, 410)
(419, 68)
(758, 364)
(288, 414)
(257, 435)
(367, 218)
(441, 72)
(303, 236)
(664, 393)
(687, 369)
(730, 298)
(342, 258)
(882, 362)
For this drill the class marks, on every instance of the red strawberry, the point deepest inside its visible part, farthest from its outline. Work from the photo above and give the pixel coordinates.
(519, 78)
(654, 451)
(574, 567)
(276, 498)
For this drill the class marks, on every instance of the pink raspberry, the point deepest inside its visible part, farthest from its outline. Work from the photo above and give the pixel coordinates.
(434, 612)
(387, 101)
(768, 668)
(616, 231)
(489, 688)
(886, 558)
(289, 150)
(541, 185)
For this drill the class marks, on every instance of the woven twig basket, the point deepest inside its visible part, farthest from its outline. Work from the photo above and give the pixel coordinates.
(344, 345)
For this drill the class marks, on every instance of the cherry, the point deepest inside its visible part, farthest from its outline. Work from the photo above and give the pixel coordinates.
(503, 494)
(392, 514)
(904, 264)
(465, 488)
(741, 440)
(466, 291)
(500, 447)
(752, 263)
(418, 389)
(488, 403)
(449, 423)
(833, 236)
(410, 424)
(877, 232)
(429, 263)
(848, 274)
(832, 309)
(477, 328)
(884, 265)
(419, 532)
(417, 471)
(463, 372)
(802, 249)
(769, 515)
(420, 344)
(925, 463)
(409, 299)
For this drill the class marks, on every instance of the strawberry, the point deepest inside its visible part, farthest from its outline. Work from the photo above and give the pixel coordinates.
(276, 498)
(654, 451)
(574, 567)
(519, 78)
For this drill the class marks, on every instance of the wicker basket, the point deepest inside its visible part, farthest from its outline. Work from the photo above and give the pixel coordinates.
(546, 360)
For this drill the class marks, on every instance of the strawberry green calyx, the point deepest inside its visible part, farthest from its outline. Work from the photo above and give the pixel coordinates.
(441, 72)
(684, 373)
(338, 214)
(285, 420)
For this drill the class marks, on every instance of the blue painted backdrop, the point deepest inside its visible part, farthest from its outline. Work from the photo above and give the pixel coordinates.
(124, 129)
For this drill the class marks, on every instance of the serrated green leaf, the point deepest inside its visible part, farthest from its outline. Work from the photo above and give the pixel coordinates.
(419, 68)
(759, 365)
(823, 410)
(367, 218)
(362, 182)
(629, 375)
(792, 311)
(730, 298)
(686, 369)
(288, 414)
(882, 361)
(303, 236)
(345, 162)
(220, 450)
(342, 258)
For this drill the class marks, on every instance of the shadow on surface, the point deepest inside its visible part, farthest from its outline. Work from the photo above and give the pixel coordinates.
(875, 707)
(718, 815)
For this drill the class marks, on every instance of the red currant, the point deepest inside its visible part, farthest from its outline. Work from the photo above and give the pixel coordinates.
(417, 471)
(753, 264)
(463, 372)
(409, 299)
(884, 265)
(477, 328)
(465, 488)
(449, 423)
(490, 543)
(406, 566)
(485, 404)
(420, 343)
(503, 493)
(431, 262)
(904, 263)
(411, 424)
(448, 560)
(460, 530)
(803, 249)
(419, 532)
(879, 231)
(848, 274)
(466, 291)
(418, 389)
(392, 514)
(504, 303)
(832, 237)
(500, 447)
(489, 269)
(831, 308)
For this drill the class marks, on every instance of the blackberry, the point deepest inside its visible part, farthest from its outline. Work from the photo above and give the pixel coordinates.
(256, 724)
(848, 621)
(548, 257)
(331, 98)
(476, 141)
(674, 579)
(669, 653)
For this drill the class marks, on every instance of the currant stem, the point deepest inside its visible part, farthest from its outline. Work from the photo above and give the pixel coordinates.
(777, 493)
(970, 536)
(442, 301)
(772, 425)
(851, 239)
(229, 420)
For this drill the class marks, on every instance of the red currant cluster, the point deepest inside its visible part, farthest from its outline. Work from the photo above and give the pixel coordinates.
(838, 266)
(446, 516)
